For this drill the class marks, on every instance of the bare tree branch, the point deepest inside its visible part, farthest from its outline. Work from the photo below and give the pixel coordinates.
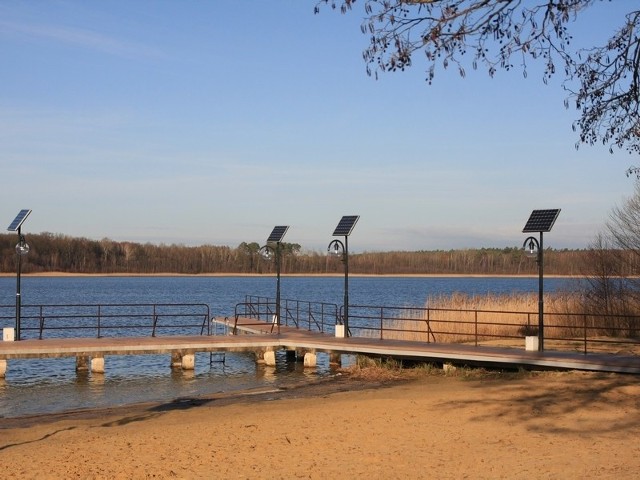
(490, 33)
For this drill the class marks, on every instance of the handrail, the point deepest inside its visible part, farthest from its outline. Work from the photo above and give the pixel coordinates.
(109, 319)
(587, 331)
(302, 314)
(583, 331)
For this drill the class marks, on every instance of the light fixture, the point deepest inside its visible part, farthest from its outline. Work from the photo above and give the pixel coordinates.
(531, 247)
(336, 247)
(539, 221)
(272, 250)
(22, 248)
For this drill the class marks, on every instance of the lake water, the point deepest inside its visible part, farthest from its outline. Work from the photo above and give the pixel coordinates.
(51, 385)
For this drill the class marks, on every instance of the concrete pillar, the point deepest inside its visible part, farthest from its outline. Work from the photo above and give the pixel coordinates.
(310, 360)
(3, 368)
(266, 356)
(335, 358)
(176, 359)
(82, 363)
(97, 364)
(448, 368)
(189, 361)
(300, 353)
(8, 334)
(270, 358)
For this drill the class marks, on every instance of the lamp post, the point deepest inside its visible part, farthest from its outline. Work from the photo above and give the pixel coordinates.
(540, 221)
(273, 250)
(533, 248)
(22, 248)
(338, 248)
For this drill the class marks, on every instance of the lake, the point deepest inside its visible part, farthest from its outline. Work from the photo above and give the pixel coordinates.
(37, 386)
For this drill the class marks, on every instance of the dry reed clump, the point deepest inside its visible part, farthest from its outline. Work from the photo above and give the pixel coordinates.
(461, 318)
(387, 369)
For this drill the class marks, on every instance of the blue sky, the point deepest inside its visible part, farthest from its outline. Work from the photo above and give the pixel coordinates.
(210, 122)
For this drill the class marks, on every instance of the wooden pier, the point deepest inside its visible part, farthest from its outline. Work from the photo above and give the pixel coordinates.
(253, 335)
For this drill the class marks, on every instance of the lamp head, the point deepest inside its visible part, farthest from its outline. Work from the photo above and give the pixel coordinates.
(531, 247)
(267, 253)
(22, 247)
(335, 248)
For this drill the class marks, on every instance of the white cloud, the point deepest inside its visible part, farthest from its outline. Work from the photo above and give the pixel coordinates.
(81, 38)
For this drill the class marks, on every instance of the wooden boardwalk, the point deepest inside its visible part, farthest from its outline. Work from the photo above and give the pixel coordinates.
(254, 335)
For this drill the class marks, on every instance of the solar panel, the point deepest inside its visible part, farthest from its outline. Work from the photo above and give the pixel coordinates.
(541, 220)
(346, 225)
(277, 234)
(19, 220)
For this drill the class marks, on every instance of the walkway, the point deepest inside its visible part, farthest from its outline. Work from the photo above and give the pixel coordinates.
(259, 335)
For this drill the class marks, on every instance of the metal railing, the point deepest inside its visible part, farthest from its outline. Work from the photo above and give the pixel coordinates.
(582, 332)
(108, 320)
(311, 316)
(563, 331)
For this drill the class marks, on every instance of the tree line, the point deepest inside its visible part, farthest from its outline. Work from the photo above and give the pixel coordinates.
(61, 253)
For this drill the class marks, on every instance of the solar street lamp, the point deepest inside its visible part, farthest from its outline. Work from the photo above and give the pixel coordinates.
(22, 248)
(540, 221)
(338, 248)
(272, 251)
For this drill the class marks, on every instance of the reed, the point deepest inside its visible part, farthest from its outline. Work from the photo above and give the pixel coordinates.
(463, 318)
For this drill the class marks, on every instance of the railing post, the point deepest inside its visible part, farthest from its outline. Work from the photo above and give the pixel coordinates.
(381, 321)
(584, 316)
(41, 323)
(99, 324)
(475, 313)
(155, 321)
(428, 325)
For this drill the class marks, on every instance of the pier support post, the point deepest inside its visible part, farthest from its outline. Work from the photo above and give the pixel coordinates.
(335, 358)
(266, 356)
(310, 360)
(176, 359)
(3, 368)
(184, 361)
(97, 364)
(82, 363)
(189, 361)
(270, 358)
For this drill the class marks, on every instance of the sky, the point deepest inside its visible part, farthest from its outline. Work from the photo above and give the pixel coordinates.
(192, 123)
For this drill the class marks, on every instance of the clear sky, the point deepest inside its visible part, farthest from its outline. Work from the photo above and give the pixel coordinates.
(210, 122)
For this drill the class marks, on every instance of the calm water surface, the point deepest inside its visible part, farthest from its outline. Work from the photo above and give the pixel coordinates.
(51, 385)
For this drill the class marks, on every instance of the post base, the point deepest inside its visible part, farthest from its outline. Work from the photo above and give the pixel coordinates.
(531, 343)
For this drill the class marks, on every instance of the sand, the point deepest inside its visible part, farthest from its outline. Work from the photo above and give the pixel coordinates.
(546, 425)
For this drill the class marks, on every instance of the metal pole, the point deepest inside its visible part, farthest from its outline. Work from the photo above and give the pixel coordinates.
(540, 296)
(278, 286)
(346, 286)
(18, 299)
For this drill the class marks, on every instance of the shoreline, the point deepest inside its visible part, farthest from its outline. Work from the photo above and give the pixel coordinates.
(302, 275)
(321, 386)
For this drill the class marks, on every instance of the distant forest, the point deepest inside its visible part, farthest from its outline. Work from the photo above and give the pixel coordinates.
(60, 253)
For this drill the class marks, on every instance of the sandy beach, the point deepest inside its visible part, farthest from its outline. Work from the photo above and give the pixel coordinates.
(532, 425)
